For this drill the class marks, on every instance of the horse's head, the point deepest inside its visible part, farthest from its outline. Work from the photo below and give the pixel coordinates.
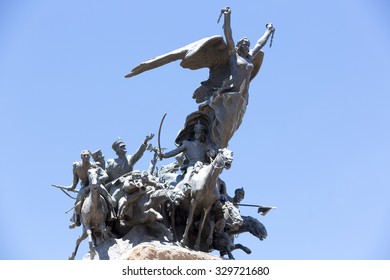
(226, 157)
(257, 229)
(93, 178)
(232, 215)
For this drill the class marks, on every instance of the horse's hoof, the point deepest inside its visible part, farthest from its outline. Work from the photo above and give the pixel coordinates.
(248, 251)
(183, 244)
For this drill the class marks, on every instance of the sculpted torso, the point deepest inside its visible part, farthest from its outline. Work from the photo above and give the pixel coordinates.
(195, 151)
(82, 172)
(118, 167)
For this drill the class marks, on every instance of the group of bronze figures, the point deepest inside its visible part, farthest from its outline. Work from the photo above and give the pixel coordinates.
(187, 196)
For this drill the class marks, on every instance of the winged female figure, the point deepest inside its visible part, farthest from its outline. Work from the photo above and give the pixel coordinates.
(223, 97)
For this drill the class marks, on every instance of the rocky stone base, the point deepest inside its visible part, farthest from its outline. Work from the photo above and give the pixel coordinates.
(147, 251)
(153, 242)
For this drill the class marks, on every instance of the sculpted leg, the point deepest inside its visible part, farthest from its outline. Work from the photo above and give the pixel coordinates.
(78, 241)
(190, 218)
(90, 243)
(245, 249)
(204, 216)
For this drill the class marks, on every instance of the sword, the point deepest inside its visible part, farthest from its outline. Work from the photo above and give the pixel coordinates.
(159, 135)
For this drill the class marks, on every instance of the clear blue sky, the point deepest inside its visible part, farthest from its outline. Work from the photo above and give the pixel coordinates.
(315, 140)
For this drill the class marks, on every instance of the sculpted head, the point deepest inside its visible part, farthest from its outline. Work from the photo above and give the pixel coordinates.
(239, 194)
(200, 131)
(85, 155)
(243, 45)
(119, 147)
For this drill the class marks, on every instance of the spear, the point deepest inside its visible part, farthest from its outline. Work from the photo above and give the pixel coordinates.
(261, 209)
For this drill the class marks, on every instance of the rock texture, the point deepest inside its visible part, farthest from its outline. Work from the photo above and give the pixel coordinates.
(152, 242)
(148, 251)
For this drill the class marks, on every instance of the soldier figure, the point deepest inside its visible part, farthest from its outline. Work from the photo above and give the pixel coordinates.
(80, 173)
(197, 152)
(98, 157)
(124, 163)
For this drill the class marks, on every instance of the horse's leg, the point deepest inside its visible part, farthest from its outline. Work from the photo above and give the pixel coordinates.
(229, 252)
(103, 232)
(78, 241)
(209, 240)
(204, 216)
(106, 213)
(190, 218)
(245, 249)
(173, 223)
(90, 242)
(229, 246)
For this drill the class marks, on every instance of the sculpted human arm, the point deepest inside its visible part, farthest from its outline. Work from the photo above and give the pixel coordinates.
(263, 40)
(75, 177)
(103, 176)
(174, 152)
(227, 28)
(140, 152)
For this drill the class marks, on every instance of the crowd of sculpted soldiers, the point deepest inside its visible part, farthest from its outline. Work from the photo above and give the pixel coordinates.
(137, 197)
(187, 196)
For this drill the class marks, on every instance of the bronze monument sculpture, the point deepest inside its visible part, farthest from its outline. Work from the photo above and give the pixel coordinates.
(186, 202)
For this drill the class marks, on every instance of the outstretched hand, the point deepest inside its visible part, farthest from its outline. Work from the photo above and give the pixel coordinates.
(160, 155)
(226, 10)
(148, 138)
(270, 27)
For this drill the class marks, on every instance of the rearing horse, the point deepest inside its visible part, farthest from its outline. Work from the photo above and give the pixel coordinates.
(204, 191)
(93, 215)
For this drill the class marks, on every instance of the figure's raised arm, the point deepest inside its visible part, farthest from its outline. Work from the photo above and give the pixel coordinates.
(227, 28)
(263, 40)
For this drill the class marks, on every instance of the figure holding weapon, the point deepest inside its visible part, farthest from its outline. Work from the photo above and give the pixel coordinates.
(80, 174)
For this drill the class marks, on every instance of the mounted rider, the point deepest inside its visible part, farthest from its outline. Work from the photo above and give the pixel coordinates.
(196, 149)
(80, 174)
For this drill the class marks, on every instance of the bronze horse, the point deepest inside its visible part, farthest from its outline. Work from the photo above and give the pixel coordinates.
(204, 192)
(94, 213)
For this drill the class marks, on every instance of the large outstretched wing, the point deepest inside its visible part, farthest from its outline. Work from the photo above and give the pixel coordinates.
(211, 52)
(206, 53)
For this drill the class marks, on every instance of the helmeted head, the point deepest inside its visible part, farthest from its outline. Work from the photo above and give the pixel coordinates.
(85, 155)
(97, 155)
(119, 147)
(200, 131)
(239, 194)
(243, 45)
